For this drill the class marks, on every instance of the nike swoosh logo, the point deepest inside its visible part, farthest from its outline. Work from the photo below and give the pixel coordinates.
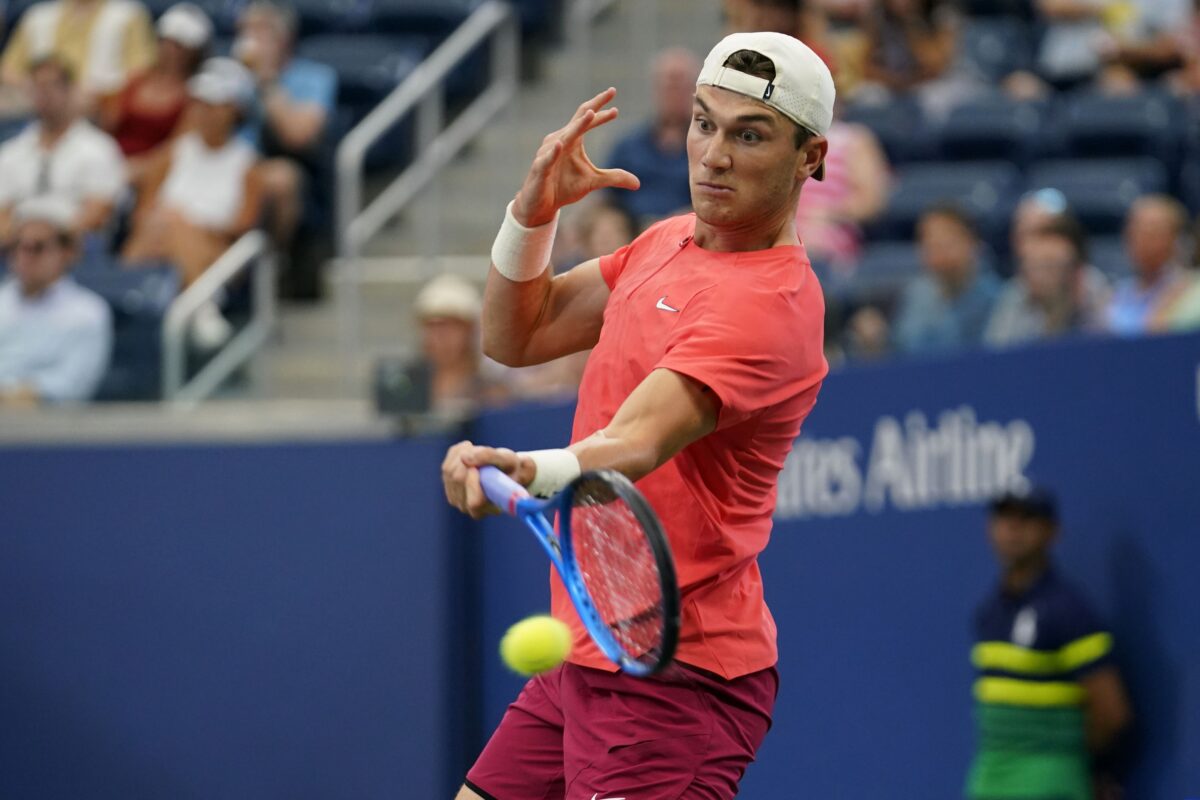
(594, 797)
(663, 306)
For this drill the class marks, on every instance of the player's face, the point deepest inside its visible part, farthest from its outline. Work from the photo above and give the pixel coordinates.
(1019, 540)
(743, 163)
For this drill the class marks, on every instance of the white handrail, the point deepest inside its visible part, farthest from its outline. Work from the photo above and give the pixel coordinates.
(253, 248)
(423, 91)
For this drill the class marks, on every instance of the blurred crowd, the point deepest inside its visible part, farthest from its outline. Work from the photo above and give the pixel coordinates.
(962, 273)
(999, 171)
(152, 152)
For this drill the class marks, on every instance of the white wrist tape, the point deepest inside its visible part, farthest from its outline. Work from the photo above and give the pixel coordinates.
(520, 253)
(555, 469)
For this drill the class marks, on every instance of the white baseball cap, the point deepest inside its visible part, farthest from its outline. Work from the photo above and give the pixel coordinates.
(187, 25)
(802, 89)
(54, 210)
(222, 80)
(449, 296)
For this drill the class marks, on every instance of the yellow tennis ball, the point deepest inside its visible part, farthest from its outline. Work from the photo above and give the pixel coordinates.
(535, 644)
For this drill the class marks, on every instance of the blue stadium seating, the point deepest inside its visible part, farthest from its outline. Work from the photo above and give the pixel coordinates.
(899, 126)
(997, 46)
(1107, 253)
(436, 18)
(1100, 191)
(139, 298)
(1021, 9)
(369, 66)
(987, 190)
(1189, 184)
(994, 127)
(1147, 124)
(883, 271)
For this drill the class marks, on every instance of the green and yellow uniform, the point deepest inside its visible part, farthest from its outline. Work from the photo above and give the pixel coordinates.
(1031, 651)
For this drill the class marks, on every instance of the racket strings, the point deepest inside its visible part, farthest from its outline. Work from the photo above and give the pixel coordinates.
(620, 570)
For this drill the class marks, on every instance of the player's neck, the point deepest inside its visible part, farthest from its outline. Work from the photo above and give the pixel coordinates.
(759, 234)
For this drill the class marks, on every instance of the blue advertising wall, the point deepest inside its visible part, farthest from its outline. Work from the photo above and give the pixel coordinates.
(310, 621)
(879, 555)
(228, 622)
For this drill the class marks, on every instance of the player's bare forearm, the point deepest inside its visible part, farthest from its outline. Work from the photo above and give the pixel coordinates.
(530, 317)
(1108, 711)
(539, 320)
(664, 414)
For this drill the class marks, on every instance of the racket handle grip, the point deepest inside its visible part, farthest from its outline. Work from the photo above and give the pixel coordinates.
(501, 489)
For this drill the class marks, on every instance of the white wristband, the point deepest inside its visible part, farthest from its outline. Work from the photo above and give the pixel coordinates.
(520, 253)
(555, 469)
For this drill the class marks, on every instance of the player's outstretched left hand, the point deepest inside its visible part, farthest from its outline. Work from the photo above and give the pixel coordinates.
(562, 173)
(460, 475)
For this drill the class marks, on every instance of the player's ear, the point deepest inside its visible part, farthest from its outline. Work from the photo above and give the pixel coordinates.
(813, 153)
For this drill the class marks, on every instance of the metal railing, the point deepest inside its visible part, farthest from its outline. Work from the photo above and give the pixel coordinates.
(423, 93)
(251, 252)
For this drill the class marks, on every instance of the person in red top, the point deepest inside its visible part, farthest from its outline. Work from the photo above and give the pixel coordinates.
(708, 355)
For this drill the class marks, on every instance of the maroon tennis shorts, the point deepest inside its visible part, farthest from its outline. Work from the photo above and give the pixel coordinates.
(585, 734)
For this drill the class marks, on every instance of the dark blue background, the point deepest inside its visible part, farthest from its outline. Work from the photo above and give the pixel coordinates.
(309, 621)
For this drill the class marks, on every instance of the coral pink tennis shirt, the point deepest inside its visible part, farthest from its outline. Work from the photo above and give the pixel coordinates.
(750, 327)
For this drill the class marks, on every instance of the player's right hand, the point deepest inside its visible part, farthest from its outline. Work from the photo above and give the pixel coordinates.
(562, 173)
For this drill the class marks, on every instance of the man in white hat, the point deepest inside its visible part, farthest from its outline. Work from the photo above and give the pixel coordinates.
(55, 336)
(707, 337)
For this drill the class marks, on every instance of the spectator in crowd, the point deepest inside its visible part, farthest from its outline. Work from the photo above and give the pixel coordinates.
(599, 228)
(657, 152)
(448, 310)
(1034, 211)
(100, 42)
(60, 153)
(1154, 231)
(55, 336)
(912, 46)
(946, 308)
(296, 98)
(1048, 695)
(804, 19)
(201, 192)
(1081, 34)
(1055, 291)
(852, 191)
(1167, 34)
(147, 112)
(1186, 79)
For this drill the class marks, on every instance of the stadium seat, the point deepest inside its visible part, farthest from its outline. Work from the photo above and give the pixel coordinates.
(369, 66)
(1021, 9)
(987, 190)
(1107, 254)
(1148, 124)
(1100, 190)
(996, 46)
(437, 18)
(139, 298)
(884, 269)
(898, 124)
(333, 16)
(1189, 184)
(994, 127)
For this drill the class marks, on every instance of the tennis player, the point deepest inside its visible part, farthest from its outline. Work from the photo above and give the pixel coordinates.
(707, 337)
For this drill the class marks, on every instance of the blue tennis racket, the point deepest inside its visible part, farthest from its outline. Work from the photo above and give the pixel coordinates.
(613, 558)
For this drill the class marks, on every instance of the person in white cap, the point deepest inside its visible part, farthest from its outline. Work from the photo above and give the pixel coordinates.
(200, 194)
(447, 309)
(55, 335)
(147, 112)
(707, 333)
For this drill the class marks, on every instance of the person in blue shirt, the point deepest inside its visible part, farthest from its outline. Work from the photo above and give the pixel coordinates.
(55, 336)
(295, 101)
(1154, 230)
(1048, 697)
(946, 308)
(657, 151)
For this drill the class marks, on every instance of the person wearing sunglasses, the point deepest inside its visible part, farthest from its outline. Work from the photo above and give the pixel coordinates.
(55, 335)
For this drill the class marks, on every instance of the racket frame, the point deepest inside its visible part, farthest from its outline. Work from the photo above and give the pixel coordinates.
(515, 500)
